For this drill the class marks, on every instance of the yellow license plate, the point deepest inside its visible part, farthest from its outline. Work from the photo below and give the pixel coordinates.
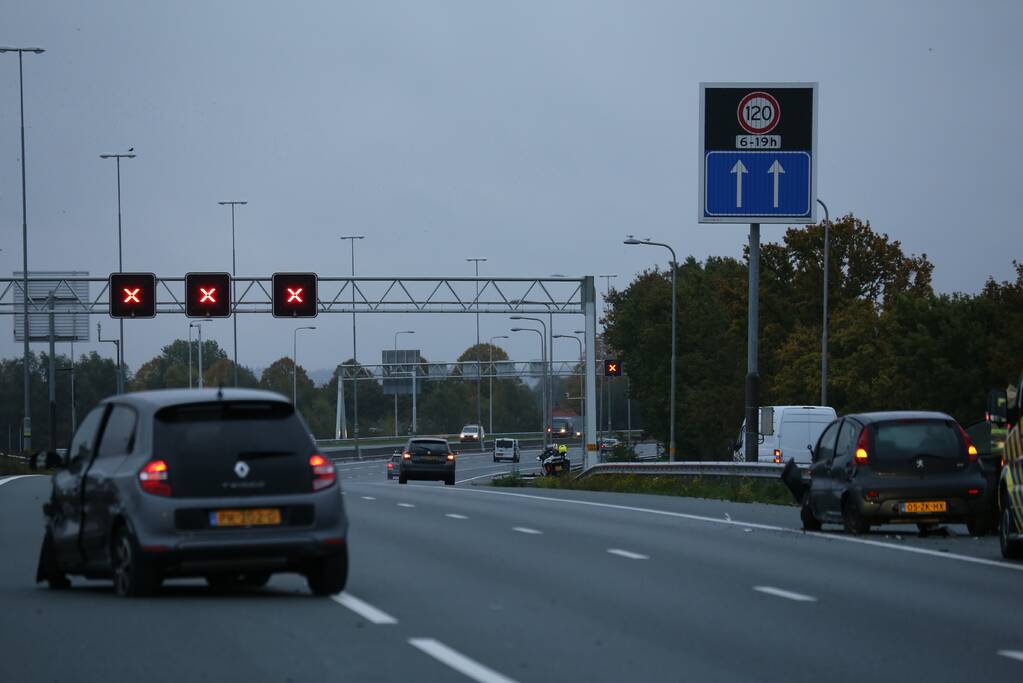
(926, 506)
(254, 517)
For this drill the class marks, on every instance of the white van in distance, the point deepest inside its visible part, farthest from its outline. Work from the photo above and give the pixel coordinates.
(786, 432)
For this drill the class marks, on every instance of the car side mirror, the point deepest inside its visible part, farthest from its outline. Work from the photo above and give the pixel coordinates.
(54, 461)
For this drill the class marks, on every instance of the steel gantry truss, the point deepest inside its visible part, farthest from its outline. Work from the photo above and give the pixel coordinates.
(487, 295)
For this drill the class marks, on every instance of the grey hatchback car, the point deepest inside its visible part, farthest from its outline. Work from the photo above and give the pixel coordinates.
(427, 458)
(221, 484)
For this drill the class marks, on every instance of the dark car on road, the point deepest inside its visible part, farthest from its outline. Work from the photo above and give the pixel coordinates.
(892, 467)
(427, 458)
(393, 465)
(221, 484)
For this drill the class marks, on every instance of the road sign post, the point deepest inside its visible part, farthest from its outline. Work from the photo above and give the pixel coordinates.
(758, 144)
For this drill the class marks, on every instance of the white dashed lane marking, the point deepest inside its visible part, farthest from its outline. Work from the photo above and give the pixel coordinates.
(788, 595)
(628, 554)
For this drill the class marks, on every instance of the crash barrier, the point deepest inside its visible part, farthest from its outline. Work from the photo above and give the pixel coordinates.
(760, 470)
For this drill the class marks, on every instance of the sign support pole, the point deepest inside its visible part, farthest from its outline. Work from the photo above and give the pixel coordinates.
(589, 301)
(52, 377)
(752, 437)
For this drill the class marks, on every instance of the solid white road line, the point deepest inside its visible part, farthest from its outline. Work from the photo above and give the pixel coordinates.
(363, 609)
(406, 505)
(457, 661)
(1012, 654)
(788, 595)
(483, 476)
(526, 530)
(8, 480)
(368, 498)
(752, 525)
(627, 553)
(454, 515)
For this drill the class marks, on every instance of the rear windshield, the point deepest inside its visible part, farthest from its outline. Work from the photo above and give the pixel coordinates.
(230, 429)
(504, 443)
(428, 448)
(910, 438)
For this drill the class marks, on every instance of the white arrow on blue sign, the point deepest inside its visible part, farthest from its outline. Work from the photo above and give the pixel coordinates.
(758, 183)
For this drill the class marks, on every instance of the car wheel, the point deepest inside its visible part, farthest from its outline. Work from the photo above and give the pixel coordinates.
(49, 568)
(402, 479)
(1012, 549)
(328, 575)
(134, 576)
(852, 519)
(450, 481)
(979, 525)
(810, 522)
(390, 476)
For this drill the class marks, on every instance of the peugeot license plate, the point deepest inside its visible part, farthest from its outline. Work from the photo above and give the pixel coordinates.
(926, 506)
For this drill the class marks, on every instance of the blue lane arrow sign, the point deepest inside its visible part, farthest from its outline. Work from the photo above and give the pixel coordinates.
(758, 183)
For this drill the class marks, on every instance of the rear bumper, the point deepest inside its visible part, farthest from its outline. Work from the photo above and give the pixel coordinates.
(464, 439)
(282, 553)
(411, 470)
(887, 506)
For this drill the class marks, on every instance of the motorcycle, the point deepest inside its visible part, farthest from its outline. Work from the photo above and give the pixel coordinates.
(552, 462)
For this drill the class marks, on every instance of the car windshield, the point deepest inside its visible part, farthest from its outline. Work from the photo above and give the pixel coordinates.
(471, 429)
(428, 448)
(911, 438)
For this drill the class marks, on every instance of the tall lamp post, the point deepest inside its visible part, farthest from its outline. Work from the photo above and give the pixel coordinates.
(490, 393)
(120, 260)
(824, 325)
(479, 380)
(294, 363)
(26, 428)
(115, 342)
(355, 353)
(578, 341)
(543, 388)
(197, 325)
(234, 291)
(396, 393)
(548, 400)
(674, 268)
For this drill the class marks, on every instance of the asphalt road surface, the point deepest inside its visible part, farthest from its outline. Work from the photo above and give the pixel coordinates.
(479, 583)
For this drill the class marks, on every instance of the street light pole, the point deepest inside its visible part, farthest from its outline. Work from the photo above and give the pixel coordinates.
(824, 324)
(26, 427)
(120, 261)
(294, 363)
(115, 342)
(396, 392)
(234, 291)
(189, 355)
(479, 378)
(197, 325)
(581, 360)
(355, 353)
(490, 393)
(548, 386)
(543, 361)
(674, 269)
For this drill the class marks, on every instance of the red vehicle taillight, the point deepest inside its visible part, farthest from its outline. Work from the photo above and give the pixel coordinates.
(406, 455)
(323, 472)
(390, 465)
(777, 455)
(153, 478)
(971, 451)
(451, 456)
(862, 455)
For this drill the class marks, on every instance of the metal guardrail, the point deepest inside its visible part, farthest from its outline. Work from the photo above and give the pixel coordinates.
(760, 470)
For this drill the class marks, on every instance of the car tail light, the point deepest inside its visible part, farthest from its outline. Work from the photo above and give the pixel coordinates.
(406, 455)
(777, 455)
(451, 456)
(862, 455)
(872, 495)
(390, 465)
(323, 472)
(973, 492)
(971, 451)
(153, 478)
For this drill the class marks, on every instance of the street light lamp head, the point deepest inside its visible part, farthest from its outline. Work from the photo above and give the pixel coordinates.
(352, 237)
(632, 240)
(37, 50)
(518, 329)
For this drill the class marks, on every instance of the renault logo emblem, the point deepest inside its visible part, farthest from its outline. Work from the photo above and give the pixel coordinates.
(919, 463)
(241, 468)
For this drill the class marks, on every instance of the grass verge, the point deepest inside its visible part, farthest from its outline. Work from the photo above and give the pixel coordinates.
(736, 489)
(9, 466)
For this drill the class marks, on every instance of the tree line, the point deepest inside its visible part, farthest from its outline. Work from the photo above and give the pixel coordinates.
(894, 343)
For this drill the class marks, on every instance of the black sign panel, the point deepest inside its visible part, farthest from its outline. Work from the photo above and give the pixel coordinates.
(208, 295)
(612, 368)
(757, 153)
(294, 295)
(132, 295)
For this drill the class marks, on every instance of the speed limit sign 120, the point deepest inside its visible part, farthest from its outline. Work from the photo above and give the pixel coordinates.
(759, 113)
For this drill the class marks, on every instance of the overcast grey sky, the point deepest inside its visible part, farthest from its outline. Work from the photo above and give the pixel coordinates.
(536, 134)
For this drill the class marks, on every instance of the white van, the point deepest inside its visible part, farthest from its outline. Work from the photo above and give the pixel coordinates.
(787, 432)
(506, 449)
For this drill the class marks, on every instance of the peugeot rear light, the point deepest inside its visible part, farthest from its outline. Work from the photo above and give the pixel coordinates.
(323, 472)
(153, 478)
(862, 455)
(451, 456)
(406, 455)
(971, 451)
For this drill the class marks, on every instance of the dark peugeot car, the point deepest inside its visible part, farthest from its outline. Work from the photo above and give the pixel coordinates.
(895, 467)
(222, 484)
(426, 458)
